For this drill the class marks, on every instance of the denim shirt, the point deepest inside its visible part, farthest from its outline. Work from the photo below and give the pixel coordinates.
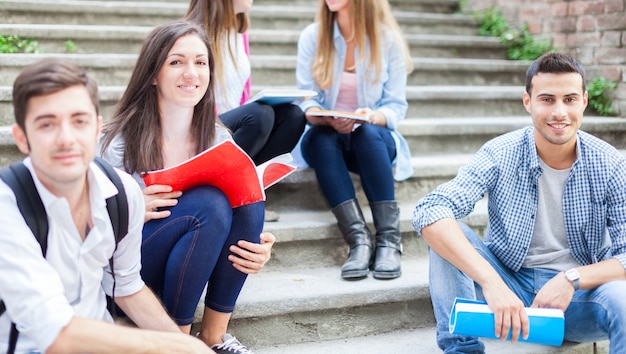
(507, 169)
(387, 94)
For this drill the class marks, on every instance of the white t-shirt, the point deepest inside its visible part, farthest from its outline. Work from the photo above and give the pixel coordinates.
(236, 74)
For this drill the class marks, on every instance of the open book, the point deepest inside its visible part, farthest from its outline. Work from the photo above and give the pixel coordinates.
(474, 318)
(277, 96)
(227, 167)
(339, 114)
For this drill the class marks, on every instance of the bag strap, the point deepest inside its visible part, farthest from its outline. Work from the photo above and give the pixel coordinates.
(117, 206)
(18, 178)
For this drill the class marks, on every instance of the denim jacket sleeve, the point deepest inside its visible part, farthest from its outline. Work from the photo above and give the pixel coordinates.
(388, 94)
(304, 68)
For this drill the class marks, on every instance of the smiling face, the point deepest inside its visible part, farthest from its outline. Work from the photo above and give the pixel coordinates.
(337, 5)
(61, 134)
(184, 77)
(556, 104)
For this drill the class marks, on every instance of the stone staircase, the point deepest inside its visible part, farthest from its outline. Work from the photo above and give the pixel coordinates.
(462, 93)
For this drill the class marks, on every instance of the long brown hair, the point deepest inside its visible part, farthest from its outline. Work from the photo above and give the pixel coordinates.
(368, 19)
(137, 116)
(218, 18)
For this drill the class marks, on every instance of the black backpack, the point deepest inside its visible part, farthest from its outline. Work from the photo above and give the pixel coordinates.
(18, 177)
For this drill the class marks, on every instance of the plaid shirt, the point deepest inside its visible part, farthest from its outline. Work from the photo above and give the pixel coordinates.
(507, 169)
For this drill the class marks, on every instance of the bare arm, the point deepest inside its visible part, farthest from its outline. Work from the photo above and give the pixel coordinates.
(83, 335)
(558, 292)
(446, 238)
(146, 311)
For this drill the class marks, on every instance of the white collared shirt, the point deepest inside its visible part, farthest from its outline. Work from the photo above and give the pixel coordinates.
(42, 295)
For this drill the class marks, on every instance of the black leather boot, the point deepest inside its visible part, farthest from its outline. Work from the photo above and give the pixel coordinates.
(388, 240)
(357, 235)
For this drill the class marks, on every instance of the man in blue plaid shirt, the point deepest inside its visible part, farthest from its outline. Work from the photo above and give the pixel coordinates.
(556, 236)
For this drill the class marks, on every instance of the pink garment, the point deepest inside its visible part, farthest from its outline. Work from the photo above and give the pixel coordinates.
(347, 99)
(246, 91)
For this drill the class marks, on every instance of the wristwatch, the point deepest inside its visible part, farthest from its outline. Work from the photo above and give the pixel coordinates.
(574, 277)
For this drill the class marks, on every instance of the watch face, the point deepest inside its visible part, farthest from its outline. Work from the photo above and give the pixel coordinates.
(572, 274)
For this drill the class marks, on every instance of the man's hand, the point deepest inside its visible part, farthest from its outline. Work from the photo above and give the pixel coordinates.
(158, 196)
(557, 293)
(509, 313)
(250, 257)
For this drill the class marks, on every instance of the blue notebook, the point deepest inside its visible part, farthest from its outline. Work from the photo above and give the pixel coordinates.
(278, 96)
(474, 318)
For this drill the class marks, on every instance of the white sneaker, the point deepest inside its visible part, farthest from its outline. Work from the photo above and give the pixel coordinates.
(231, 346)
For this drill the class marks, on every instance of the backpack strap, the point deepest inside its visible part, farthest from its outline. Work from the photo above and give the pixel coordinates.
(117, 206)
(18, 178)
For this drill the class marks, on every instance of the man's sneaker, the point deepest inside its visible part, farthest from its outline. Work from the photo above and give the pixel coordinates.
(231, 346)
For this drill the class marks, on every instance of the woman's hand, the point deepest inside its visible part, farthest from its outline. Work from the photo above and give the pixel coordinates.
(250, 257)
(373, 117)
(342, 125)
(159, 196)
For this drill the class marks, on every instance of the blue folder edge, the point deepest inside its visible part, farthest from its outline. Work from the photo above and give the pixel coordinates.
(544, 329)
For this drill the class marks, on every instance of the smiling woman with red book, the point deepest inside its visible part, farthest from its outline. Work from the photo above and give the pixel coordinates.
(165, 117)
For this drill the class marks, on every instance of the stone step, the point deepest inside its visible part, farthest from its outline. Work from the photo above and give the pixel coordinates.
(424, 101)
(442, 6)
(284, 42)
(440, 136)
(309, 239)
(421, 341)
(52, 38)
(279, 70)
(310, 305)
(433, 6)
(132, 13)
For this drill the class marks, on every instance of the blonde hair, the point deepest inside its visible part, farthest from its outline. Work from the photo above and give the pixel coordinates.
(218, 18)
(368, 20)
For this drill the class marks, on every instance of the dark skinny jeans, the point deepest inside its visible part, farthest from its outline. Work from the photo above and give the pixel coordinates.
(368, 151)
(181, 252)
(265, 131)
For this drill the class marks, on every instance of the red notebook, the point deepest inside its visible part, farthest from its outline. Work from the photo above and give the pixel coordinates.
(227, 167)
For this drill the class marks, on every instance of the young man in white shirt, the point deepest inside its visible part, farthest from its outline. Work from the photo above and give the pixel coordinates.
(58, 302)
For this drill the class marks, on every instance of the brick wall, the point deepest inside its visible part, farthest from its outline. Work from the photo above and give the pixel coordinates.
(592, 31)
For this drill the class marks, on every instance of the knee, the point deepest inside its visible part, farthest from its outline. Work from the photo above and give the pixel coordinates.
(614, 292)
(295, 118)
(207, 200)
(259, 117)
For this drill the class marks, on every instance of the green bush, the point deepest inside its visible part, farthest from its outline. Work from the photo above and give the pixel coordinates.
(14, 44)
(521, 45)
(598, 90)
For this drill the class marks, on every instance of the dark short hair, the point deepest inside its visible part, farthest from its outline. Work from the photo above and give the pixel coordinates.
(554, 63)
(46, 77)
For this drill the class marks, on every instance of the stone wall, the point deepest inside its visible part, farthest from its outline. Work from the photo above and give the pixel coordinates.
(592, 31)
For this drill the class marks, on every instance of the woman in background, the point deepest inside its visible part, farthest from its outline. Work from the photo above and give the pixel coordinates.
(263, 131)
(354, 56)
(166, 116)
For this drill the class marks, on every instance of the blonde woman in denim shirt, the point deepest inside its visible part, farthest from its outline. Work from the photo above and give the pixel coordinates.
(355, 58)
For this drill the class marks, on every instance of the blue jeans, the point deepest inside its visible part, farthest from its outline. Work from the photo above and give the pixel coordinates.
(181, 252)
(592, 315)
(367, 151)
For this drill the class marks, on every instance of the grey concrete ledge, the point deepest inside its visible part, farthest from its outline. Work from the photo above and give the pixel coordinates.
(96, 7)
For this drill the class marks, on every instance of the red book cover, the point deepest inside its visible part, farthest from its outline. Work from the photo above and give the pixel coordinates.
(227, 167)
